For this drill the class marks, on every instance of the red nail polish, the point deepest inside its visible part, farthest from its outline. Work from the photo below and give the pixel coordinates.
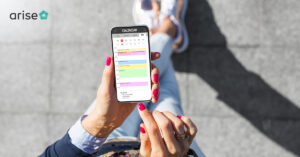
(108, 61)
(155, 78)
(142, 130)
(155, 93)
(179, 116)
(141, 106)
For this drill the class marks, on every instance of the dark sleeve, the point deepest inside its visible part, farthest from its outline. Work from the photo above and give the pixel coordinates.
(64, 148)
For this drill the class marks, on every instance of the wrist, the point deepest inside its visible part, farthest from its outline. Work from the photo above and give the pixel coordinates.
(97, 125)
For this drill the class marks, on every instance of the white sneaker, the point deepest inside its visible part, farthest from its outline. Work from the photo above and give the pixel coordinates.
(143, 14)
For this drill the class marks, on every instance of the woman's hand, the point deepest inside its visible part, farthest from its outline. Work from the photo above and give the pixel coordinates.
(109, 113)
(174, 140)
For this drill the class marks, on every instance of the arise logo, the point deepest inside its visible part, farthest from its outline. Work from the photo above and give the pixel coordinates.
(43, 15)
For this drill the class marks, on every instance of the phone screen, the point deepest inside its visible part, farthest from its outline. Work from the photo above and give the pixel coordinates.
(131, 53)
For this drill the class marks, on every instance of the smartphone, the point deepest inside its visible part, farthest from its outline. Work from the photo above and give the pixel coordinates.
(132, 63)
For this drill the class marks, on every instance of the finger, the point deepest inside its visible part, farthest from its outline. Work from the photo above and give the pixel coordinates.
(108, 74)
(177, 124)
(155, 93)
(154, 74)
(155, 55)
(185, 142)
(168, 132)
(145, 148)
(191, 128)
(151, 128)
(155, 83)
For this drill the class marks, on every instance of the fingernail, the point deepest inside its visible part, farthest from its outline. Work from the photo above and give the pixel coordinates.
(179, 116)
(155, 100)
(156, 78)
(108, 61)
(155, 93)
(142, 130)
(141, 106)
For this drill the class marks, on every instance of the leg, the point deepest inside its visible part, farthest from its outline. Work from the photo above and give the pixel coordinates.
(167, 27)
(169, 99)
(162, 43)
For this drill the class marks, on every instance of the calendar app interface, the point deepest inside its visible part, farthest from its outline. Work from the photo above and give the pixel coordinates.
(132, 66)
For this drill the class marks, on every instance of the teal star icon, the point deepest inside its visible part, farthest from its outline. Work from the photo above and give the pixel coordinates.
(43, 15)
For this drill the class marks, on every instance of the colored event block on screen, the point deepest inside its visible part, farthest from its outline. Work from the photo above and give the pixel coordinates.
(132, 84)
(131, 53)
(133, 66)
(131, 73)
(139, 49)
(127, 62)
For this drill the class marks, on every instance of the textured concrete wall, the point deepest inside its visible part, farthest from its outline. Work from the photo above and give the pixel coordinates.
(239, 79)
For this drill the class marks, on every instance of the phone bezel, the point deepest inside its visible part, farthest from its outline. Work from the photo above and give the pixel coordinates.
(118, 30)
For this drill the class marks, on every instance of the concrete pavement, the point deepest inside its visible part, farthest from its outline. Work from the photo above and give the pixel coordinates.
(239, 79)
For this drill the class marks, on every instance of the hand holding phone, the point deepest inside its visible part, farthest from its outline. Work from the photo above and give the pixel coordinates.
(109, 113)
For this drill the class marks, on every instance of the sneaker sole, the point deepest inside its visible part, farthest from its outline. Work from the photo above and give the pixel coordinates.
(185, 43)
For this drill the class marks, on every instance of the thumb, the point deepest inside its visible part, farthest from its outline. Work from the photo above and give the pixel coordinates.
(108, 74)
(145, 149)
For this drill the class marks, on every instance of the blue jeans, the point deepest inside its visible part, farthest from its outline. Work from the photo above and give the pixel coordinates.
(169, 99)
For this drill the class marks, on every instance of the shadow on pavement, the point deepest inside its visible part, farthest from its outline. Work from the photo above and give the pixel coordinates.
(244, 91)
